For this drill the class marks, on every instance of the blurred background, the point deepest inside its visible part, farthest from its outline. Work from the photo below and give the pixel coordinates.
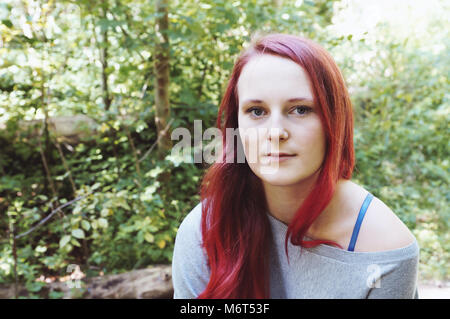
(90, 91)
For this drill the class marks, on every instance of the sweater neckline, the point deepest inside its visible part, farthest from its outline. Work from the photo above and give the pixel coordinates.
(410, 251)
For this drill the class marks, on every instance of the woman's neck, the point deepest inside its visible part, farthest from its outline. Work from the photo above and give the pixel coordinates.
(284, 201)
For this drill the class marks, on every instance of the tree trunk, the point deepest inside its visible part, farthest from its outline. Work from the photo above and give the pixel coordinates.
(161, 66)
(104, 62)
(107, 99)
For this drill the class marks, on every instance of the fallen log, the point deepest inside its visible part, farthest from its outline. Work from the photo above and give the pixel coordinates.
(154, 282)
(67, 128)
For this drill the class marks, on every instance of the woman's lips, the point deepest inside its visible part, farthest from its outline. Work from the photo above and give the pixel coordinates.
(279, 157)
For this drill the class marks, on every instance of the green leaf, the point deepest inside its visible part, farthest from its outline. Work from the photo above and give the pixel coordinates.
(64, 240)
(95, 186)
(55, 295)
(35, 286)
(104, 212)
(75, 242)
(149, 237)
(85, 224)
(42, 197)
(76, 210)
(78, 233)
(7, 23)
(41, 249)
(154, 172)
(102, 222)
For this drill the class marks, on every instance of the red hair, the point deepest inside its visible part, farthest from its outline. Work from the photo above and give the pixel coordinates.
(235, 227)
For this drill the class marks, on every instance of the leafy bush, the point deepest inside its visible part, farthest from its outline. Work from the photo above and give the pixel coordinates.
(129, 204)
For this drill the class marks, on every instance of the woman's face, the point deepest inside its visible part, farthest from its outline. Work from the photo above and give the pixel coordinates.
(277, 115)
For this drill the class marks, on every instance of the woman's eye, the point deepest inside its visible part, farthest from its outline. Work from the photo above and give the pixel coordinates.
(259, 112)
(303, 109)
(255, 111)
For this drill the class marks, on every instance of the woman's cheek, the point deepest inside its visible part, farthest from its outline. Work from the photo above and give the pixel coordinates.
(251, 147)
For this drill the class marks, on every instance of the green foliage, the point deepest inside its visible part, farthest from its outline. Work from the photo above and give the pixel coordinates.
(131, 204)
(402, 105)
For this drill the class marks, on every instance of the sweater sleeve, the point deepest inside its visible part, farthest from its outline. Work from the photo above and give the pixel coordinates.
(190, 272)
(397, 280)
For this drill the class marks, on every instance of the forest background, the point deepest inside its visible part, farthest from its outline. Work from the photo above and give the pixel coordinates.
(90, 91)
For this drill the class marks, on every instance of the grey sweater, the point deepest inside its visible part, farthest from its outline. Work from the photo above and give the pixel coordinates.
(320, 272)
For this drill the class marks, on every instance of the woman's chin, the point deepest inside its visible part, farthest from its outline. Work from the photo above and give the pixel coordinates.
(278, 178)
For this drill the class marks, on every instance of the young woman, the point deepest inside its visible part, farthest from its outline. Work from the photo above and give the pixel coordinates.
(288, 222)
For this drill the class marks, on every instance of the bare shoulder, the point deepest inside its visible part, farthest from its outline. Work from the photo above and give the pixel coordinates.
(381, 229)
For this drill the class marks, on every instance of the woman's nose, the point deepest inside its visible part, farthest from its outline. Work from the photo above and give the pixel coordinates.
(277, 134)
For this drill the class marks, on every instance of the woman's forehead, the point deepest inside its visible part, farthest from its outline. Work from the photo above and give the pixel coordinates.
(272, 79)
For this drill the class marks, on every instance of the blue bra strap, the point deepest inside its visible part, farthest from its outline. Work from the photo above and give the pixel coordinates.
(361, 214)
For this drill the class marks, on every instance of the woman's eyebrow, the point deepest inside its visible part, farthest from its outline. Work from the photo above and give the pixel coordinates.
(300, 99)
(295, 99)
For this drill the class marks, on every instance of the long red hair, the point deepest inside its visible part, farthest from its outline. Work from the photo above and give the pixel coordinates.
(235, 227)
